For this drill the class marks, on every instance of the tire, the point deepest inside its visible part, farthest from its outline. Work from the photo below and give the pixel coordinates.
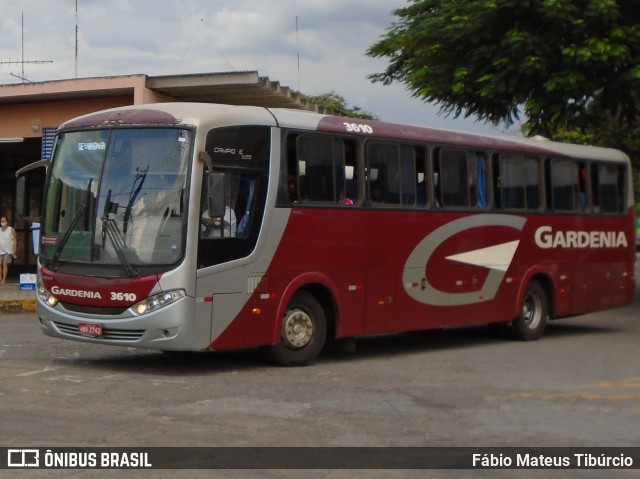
(534, 314)
(303, 332)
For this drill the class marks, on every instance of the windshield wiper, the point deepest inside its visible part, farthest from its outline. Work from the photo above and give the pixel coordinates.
(55, 259)
(141, 175)
(110, 229)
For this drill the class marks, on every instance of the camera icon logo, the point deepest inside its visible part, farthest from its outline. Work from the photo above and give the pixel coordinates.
(23, 458)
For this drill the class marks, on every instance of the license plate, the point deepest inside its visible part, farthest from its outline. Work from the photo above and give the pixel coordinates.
(90, 329)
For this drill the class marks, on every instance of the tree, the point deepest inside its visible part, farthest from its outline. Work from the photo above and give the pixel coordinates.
(571, 67)
(336, 105)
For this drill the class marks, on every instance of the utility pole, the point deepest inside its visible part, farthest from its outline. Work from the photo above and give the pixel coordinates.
(76, 39)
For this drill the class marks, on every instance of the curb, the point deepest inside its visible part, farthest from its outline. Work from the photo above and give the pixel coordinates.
(15, 300)
(12, 306)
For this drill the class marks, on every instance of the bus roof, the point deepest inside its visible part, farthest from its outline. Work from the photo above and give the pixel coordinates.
(435, 136)
(210, 115)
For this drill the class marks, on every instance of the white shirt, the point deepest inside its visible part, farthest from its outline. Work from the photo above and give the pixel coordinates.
(6, 240)
(229, 225)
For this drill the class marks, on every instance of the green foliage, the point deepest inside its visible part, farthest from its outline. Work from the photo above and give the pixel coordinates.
(335, 104)
(570, 67)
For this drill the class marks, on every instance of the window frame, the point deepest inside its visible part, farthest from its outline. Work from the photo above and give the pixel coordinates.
(346, 189)
(524, 165)
(473, 184)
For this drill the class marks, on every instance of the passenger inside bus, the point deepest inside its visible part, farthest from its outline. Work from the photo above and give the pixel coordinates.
(219, 226)
(292, 189)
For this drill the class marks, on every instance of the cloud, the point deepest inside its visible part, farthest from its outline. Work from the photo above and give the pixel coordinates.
(326, 52)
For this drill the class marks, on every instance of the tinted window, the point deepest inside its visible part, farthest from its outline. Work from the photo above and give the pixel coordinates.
(461, 178)
(519, 184)
(321, 169)
(565, 186)
(607, 188)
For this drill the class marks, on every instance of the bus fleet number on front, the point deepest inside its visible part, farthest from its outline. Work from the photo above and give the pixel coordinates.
(123, 296)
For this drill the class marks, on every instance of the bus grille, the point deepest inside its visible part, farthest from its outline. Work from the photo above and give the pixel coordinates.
(107, 333)
(79, 308)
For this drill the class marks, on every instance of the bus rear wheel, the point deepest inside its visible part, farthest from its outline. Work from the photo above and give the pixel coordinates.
(303, 332)
(534, 314)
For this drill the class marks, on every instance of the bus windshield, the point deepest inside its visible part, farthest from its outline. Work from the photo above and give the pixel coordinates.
(116, 199)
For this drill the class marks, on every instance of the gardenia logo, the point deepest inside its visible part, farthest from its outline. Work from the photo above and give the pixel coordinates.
(547, 238)
(77, 293)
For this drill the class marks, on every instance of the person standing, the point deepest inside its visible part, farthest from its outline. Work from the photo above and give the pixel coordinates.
(7, 247)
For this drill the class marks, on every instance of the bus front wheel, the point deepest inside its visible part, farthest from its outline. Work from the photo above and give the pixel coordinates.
(534, 314)
(303, 332)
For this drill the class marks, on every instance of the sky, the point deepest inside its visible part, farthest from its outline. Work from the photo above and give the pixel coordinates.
(311, 46)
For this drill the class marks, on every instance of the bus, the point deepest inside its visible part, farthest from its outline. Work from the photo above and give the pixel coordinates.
(188, 227)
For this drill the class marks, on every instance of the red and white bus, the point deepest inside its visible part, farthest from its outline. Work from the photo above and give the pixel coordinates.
(211, 227)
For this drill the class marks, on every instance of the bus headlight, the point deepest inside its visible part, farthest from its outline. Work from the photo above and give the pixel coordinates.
(46, 296)
(153, 303)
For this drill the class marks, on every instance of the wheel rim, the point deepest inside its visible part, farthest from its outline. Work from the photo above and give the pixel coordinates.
(297, 329)
(532, 311)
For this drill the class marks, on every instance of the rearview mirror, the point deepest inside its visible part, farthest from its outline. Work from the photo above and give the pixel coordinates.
(215, 193)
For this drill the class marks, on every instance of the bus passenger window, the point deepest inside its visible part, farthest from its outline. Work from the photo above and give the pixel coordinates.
(347, 170)
(408, 183)
(315, 169)
(512, 192)
(482, 166)
(582, 188)
(565, 186)
(392, 176)
(458, 178)
(383, 166)
(532, 183)
(608, 188)
(519, 182)
(321, 169)
(421, 177)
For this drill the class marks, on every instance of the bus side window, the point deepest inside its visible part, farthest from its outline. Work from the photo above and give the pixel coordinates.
(482, 166)
(408, 176)
(496, 181)
(421, 177)
(351, 171)
(607, 188)
(383, 167)
(512, 192)
(321, 169)
(315, 167)
(392, 175)
(519, 182)
(533, 183)
(583, 197)
(437, 188)
(289, 177)
(459, 172)
(345, 178)
(565, 185)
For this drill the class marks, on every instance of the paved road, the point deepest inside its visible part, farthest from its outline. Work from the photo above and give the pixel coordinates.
(578, 386)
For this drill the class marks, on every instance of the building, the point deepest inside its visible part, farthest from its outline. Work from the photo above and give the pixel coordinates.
(30, 112)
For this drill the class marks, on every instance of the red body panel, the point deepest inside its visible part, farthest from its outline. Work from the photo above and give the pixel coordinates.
(97, 291)
(359, 257)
